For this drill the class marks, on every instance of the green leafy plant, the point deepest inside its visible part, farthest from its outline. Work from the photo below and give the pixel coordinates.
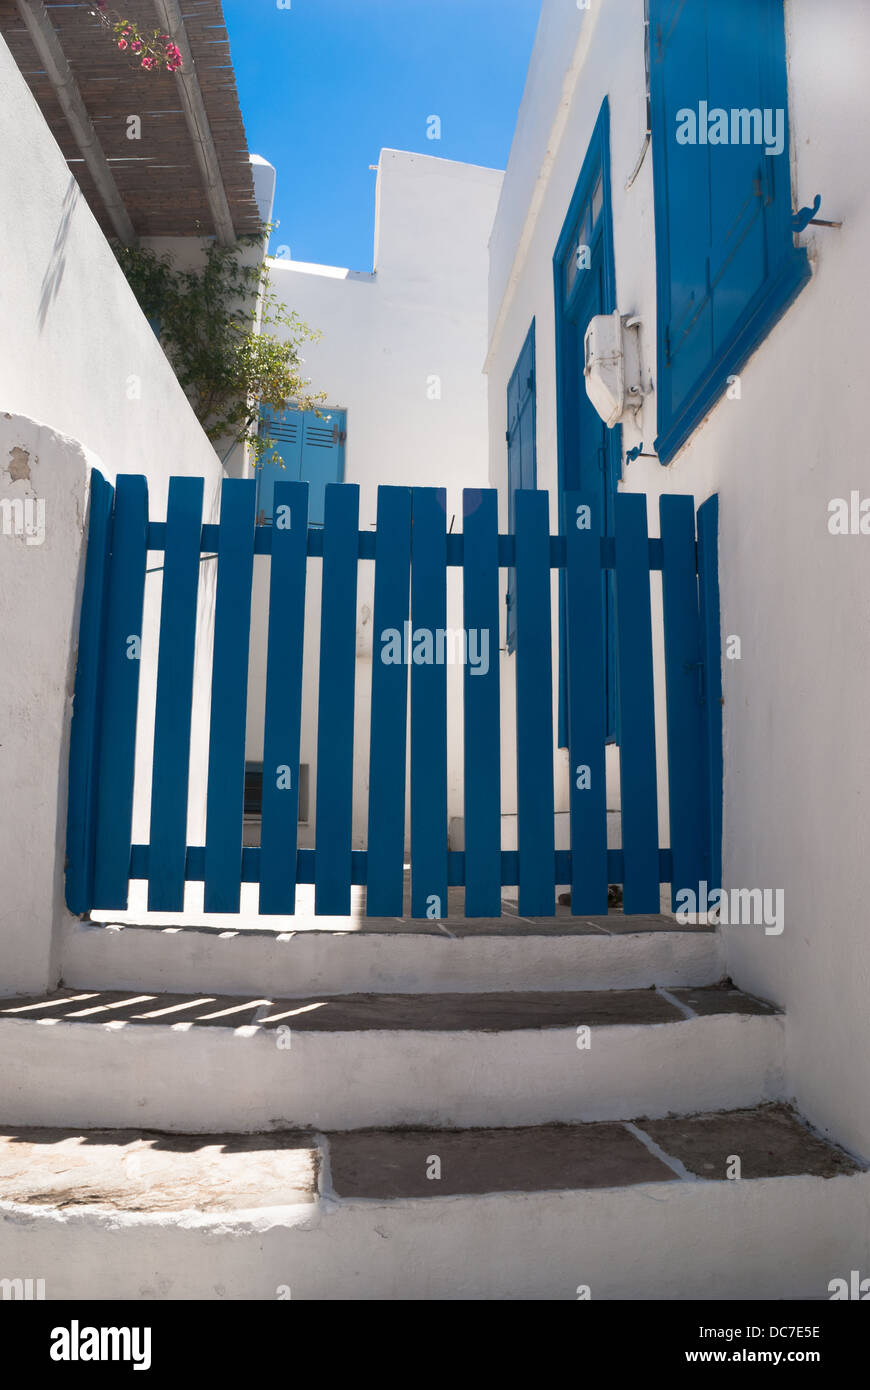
(213, 325)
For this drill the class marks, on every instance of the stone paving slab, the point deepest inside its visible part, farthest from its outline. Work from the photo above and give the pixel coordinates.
(771, 1142)
(510, 923)
(129, 1170)
(352, 1012)
(395, 1163)
(721, 999)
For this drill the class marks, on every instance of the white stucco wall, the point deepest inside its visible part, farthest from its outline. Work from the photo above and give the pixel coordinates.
(83, 383)
(421, 314)
(76, 347)
(796, 761)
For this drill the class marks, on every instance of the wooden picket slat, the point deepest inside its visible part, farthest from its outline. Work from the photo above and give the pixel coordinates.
(336, 701)
(428, 705)
(637, 753)
(121, 667)
(229, 692)
(87, 703)
(172, 720)
(587, 709)
(482, 741)
(389, 717)
(534, 694)
(687, 797)
(279, 827)
(711, 655)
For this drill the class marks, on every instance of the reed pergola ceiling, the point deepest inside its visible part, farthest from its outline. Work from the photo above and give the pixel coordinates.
(189, 174)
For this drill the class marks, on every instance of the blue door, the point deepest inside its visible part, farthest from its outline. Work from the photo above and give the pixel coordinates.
(589, 453)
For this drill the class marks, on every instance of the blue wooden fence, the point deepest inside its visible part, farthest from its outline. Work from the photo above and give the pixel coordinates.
(412, 552)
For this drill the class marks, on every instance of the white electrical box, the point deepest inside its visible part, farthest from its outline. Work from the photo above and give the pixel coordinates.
(611, 366)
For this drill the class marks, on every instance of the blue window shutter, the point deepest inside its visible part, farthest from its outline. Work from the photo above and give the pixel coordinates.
(741, 175)
(680, 52)
(322, 457)
(727, 265)
(281, 463)
(521, 447)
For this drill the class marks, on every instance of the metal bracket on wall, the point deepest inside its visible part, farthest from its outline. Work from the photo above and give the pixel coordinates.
(638, 453)
(806, 217)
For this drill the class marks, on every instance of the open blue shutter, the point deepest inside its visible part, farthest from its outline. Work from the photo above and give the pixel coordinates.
(741, 184)
(281, 463)
(322, 458)
(522, 471)
(680, 54)
(723, 210)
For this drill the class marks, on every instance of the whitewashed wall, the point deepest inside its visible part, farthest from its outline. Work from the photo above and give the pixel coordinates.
(797, 759)
(83, 384)
(387, 336)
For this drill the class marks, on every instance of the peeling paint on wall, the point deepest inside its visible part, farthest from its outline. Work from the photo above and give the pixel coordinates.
(19, 465)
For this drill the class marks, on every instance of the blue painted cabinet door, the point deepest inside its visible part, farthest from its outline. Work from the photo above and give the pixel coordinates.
(322, 458)
(309, 448)
(282, 463)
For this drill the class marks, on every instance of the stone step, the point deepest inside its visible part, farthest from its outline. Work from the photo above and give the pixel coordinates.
(638, 1210)
(179, 1062)
(361, 955)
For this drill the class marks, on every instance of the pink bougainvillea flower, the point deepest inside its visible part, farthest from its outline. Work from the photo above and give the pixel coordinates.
(147, 62)
(136, 45)
(122, 43)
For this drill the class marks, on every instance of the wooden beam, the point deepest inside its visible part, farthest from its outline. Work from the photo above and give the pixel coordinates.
(169, 15)
(59, 72)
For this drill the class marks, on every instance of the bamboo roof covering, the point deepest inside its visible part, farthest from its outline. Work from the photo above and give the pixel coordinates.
(158, 176)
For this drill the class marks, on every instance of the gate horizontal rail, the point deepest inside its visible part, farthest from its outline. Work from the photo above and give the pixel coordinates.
(412, 553)
(367, 543)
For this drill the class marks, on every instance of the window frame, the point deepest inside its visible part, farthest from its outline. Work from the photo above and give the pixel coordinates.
(595, 166)
(528, 344)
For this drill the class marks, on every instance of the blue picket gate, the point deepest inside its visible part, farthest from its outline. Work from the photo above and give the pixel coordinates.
(412, 552)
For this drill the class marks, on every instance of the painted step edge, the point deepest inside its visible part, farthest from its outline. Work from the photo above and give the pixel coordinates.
(765, 1238)
(213, 1079)
(154, 959)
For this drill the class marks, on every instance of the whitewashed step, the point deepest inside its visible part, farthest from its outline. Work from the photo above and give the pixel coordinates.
(343, 956)
(205, 1063)
(639, 1211)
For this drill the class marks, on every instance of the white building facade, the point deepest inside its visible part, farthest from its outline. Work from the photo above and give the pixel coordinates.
(400, 363)
(775, 428)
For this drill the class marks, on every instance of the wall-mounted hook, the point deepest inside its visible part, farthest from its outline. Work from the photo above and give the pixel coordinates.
(806, 217)
(638, 453)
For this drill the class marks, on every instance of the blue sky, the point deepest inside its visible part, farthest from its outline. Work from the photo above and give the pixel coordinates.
(326, 84)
